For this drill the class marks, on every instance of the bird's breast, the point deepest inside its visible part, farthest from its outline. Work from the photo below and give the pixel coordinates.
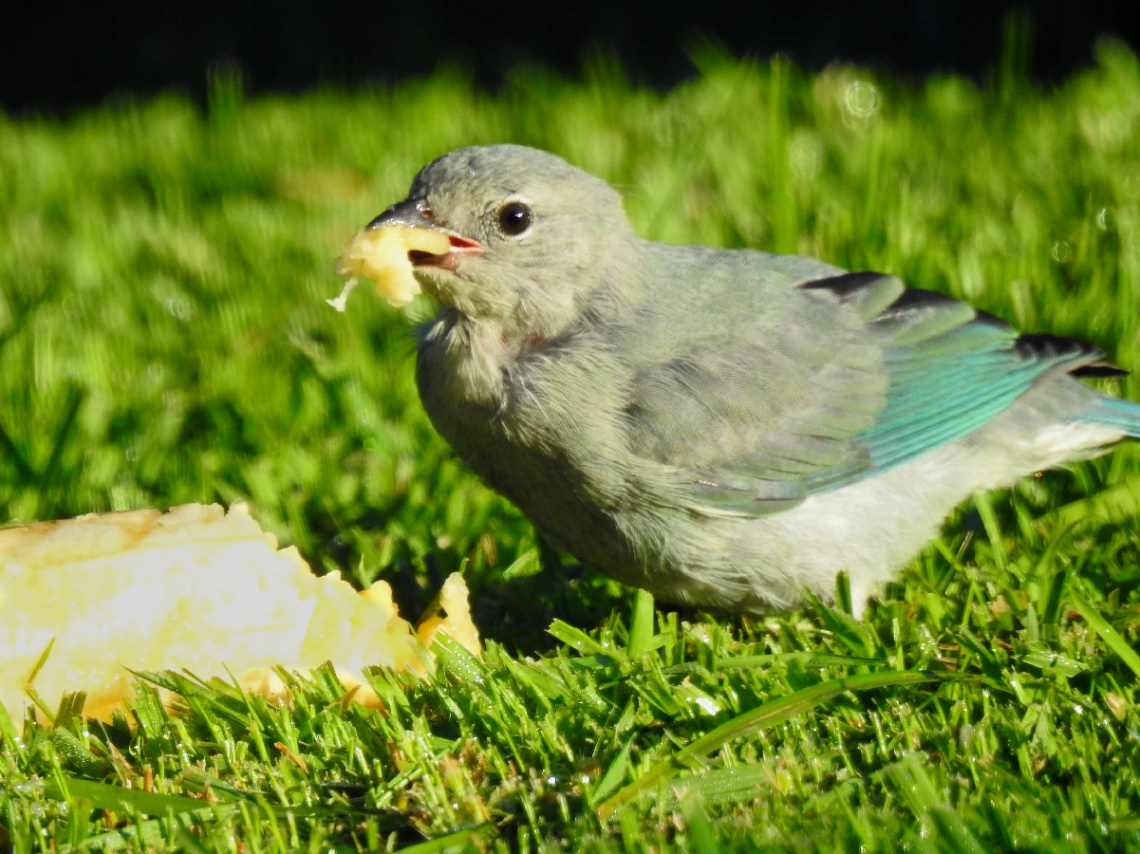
(548, 415)
(461, 364)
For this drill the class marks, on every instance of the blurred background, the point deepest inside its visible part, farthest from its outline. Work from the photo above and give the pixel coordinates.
(56, 57)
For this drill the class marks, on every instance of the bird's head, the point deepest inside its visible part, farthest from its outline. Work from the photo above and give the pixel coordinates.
(532, 238)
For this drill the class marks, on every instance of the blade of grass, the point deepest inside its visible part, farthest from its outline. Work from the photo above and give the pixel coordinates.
(641, 624)
(105, 796)
(1116, 504)
(614, 774)
(767, 715)
(698, 830)
(1107, 633)
(582, 642)
(985, 508)
(459, 840)
(8, 733)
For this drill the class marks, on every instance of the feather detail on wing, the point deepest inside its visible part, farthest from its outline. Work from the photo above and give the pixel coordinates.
(862, 376)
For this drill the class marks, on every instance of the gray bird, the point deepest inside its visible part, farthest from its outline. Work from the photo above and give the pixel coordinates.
(728, 428)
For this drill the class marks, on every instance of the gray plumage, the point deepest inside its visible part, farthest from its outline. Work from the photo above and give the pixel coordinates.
(727, 428)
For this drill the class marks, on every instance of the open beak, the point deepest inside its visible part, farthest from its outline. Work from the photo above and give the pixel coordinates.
(416, 214)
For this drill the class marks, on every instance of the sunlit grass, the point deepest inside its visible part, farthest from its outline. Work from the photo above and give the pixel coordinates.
(164, 339)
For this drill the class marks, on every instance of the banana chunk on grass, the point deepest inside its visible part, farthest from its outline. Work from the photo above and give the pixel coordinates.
(195, 589)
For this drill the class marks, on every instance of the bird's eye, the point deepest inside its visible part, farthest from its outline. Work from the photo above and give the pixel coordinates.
(514, 218)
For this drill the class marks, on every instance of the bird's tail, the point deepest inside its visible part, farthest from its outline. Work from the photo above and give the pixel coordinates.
(1115, 412)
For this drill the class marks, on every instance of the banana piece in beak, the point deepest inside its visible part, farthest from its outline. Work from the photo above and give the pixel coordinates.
(381, 254)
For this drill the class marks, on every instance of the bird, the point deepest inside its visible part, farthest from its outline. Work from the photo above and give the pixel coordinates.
(726, 428)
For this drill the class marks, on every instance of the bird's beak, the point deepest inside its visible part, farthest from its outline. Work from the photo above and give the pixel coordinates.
(416, 214)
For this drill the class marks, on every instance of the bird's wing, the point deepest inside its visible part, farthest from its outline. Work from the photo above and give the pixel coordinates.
(859, 375)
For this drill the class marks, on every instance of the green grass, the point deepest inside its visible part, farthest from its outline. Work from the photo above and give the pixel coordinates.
(164, 339)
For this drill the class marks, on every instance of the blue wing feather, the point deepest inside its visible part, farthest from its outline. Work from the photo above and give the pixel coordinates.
(951, 370)
(950, 382)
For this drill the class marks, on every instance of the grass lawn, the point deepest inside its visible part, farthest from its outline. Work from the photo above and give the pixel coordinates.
(164, 339)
